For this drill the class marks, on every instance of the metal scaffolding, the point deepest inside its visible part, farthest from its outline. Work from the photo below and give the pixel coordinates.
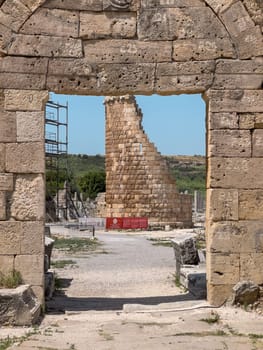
(56, 148)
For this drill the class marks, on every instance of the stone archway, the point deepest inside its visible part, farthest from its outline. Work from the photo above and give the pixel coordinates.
(116, 47)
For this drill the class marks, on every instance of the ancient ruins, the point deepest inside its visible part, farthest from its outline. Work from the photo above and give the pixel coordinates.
(118, 47)
(138, 180)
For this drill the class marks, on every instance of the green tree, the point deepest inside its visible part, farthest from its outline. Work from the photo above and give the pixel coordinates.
(92, 183)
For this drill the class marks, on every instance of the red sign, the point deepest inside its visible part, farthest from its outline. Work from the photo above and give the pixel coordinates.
(126, 223)
(135, 223)
(114, 223)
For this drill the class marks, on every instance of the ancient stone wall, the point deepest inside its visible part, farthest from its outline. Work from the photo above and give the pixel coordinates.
(138, 180)
(117, 47)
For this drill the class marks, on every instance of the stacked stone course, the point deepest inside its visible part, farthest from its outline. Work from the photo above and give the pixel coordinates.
(118, 47)
(138, 181)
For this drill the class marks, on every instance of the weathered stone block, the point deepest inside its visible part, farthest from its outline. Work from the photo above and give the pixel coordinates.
(194, 279)
(258, 121)
(235, 237)
(13, 14)
(5, 37)
(127, 51)
(107, 25)
(10, 238)
(236, 101)
(245, 293)
(6, 182)
(187, 77)
(2, 205)
(171, 3)
(2, 157)
(30, 126)
(253, 66)
(24, 65)
(246, 121)
(39, 293)
(52, 22)
(31, 268)
(46, 46)
(32, 237)
(185, 251)
(249, 43)
(6, 263)
(222, 204)
(24, 100)
(109, 79)
(202, 49)
(220, 5)
(19, 306)
(218, 294)
(223, 121)
(235, 173)
(237, 81)
(28, 198)
(236, 19)
(8, 126)
(32, 4)
(179, 23)
(87, 5)
(229, 143)
(224, 269)
(185, 68)
(184, 83)
(254, 8)
(25, 157)
(71, 66)
(16, 80)
(250, 267)
(251, 205)
(257, 143)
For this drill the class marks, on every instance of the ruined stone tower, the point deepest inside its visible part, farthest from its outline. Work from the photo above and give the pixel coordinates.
(138, 181)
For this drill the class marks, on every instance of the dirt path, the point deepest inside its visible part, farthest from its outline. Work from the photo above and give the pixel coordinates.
(123, 297)
(125, 269)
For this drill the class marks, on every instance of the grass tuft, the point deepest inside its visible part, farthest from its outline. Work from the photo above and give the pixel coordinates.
(11, 280)
(60, 264)
(214, 318)
(74, 245)
(161, 242)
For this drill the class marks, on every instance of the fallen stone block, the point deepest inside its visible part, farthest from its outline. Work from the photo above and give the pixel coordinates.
(19, 307)
(245, 293)
(185, 251)
(194, 280)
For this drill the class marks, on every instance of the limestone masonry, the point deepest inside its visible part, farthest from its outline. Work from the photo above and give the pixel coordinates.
(138, 180)
(119, 47)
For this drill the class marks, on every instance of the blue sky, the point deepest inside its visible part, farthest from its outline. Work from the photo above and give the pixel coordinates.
(176, 124)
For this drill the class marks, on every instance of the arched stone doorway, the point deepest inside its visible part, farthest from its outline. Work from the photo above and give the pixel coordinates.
(116, 47)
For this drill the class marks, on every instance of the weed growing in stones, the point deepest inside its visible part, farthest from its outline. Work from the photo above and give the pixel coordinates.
(60, 264)
(214, 318)
(12, 280)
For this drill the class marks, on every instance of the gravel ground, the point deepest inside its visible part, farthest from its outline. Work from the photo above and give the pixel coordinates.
(126, 268)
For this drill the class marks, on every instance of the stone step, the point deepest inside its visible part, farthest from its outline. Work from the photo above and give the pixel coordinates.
(19, 306)
(193, 278)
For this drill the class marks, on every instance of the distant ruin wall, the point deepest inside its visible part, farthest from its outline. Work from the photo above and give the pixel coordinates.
(138, 181)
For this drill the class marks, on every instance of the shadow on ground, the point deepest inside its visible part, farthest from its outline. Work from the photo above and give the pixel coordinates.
(62, 303)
